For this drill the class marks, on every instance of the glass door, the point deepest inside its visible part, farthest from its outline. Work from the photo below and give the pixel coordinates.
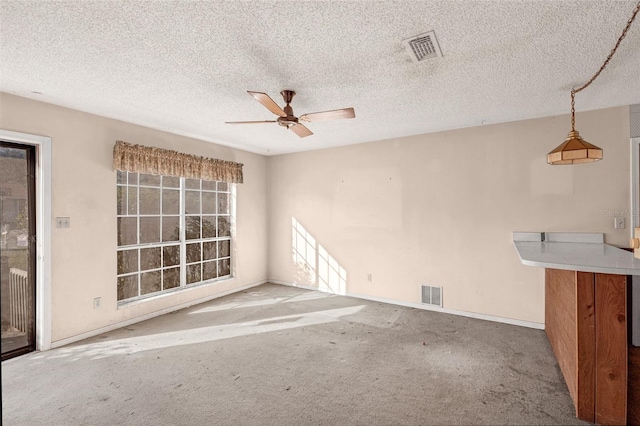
(17, 248)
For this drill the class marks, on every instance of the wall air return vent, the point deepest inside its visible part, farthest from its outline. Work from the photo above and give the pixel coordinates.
(432, 295)
(423, 47)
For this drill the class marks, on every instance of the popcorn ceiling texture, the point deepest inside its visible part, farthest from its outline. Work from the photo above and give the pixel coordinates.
(185, 67)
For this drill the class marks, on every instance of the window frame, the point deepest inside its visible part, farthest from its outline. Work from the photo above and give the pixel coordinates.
(182, 241)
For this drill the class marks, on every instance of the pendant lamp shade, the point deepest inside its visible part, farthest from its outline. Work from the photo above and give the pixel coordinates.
(574, 150)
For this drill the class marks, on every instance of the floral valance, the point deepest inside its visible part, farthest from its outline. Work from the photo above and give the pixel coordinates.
(145, 159)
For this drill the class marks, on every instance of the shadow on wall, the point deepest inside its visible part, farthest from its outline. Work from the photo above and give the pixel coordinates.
(315, 266)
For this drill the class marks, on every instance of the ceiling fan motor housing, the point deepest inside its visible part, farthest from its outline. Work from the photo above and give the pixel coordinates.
(290, 119)
(288, 95)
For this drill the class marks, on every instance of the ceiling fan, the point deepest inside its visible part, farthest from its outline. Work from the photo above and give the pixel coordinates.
(290, 121)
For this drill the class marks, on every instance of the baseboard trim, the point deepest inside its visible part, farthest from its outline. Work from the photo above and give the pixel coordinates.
(485, 317)
(115, 326)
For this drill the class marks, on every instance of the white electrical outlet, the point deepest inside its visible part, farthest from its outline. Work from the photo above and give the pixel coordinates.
(618, 222)
(369, 278)
(97, 302)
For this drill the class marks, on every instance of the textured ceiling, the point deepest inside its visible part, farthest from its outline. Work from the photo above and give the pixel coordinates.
(185, 67)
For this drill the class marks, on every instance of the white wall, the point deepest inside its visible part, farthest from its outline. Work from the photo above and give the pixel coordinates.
(84, 189)
(439, 209)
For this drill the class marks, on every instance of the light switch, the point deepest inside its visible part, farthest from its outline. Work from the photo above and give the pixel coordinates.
(63, 222)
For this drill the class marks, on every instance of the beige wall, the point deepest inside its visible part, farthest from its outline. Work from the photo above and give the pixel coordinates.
(433, 209)
(83, 188)
(439, 209)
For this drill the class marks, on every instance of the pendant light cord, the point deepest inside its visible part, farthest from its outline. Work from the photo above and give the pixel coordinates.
(613, 51)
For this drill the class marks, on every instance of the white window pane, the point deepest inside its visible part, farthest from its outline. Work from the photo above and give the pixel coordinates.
(170, 201)
(150, 282)
(150, 258)
(225, 248)
(127, 287)
(223, 203)
(149, 180)
(149, 230)
(170, 255)
(192, 202)
(170, 228)
(149, 201)
(224, 267)
(209, 185)
(127, 261)
(170, 182)
(193, 273)
(193, 253)
(127, 231)
(224, 227)
(209, 270)
(170, 278)
(209, 203)
(192, 230)
(122, 200)
(208, 226)
(209, 250)
(132, 200)
(192, 183)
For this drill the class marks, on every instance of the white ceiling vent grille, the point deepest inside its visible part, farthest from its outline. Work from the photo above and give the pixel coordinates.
(423, 47)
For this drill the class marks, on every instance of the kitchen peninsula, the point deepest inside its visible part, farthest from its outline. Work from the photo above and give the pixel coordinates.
(586, 284)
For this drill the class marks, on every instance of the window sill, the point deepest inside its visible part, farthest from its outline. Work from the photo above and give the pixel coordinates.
(179, 290)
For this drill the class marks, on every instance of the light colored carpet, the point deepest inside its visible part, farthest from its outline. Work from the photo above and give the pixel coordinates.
(276, 355)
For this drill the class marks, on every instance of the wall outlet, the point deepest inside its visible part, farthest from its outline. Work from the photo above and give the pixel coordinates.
(369, 278)
(618, 222)
(63, 222)
(97, 302)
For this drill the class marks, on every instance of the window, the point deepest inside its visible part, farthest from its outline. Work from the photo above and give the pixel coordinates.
(172, 232)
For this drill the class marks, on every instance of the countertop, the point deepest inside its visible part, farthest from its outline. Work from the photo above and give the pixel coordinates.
(574, 254)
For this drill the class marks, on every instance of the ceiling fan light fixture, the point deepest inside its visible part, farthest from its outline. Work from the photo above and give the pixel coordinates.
(574, 150)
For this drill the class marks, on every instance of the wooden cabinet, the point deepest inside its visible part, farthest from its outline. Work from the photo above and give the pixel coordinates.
(586, 322)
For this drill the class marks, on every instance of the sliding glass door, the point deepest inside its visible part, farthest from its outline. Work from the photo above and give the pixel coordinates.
(17, 248)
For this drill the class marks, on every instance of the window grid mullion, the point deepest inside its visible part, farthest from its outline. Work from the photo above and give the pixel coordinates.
(183, 234)
(137, 213)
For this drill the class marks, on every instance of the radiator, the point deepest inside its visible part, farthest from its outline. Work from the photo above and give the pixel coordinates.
(20, 299)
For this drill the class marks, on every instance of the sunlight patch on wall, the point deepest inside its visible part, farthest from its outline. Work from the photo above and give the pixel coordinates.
(315, 264)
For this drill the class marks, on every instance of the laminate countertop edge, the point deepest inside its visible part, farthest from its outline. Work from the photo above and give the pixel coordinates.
(578, 256)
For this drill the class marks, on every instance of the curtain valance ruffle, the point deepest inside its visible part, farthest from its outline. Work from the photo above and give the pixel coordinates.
(145, 159)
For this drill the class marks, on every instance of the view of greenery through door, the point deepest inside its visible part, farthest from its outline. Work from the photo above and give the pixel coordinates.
(17, 248)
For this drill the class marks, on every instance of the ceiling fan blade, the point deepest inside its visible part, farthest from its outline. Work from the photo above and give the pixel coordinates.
(269, 103)
(301, 130)
(329, 115)
(250, 122)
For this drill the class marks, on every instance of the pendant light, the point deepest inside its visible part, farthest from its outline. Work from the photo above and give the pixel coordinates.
(575, 150)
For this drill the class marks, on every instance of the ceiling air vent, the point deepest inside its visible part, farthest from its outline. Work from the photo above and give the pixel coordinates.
(423, 47)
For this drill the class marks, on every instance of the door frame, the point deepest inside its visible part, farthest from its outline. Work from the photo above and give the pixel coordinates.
(635, 185)
(43, 231)
(635, 223)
